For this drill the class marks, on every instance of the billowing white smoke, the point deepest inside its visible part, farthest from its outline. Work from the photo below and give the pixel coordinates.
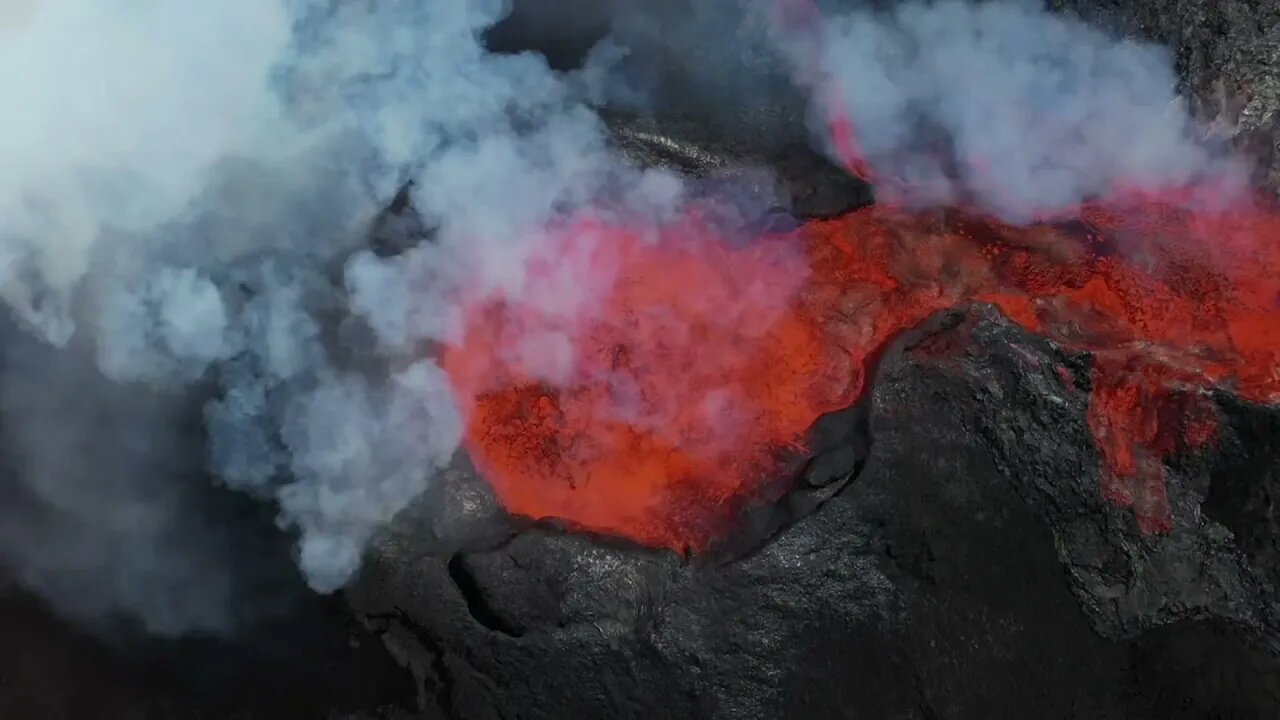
(188, 185)
(115, 115)
(1005, 104)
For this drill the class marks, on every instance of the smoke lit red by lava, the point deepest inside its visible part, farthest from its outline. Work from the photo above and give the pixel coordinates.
(669, 407)
(800, 21)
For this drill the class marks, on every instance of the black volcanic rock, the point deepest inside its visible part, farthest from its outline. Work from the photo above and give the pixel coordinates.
(1127, 582)
(1226, 53)
(970, 569)
(790, 177)
(1244, 494)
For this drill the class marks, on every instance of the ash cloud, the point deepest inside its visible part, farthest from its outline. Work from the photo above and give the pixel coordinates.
(1006, 105)
(197, 182)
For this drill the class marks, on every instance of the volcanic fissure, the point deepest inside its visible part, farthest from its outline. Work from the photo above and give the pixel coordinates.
(667, 413)
(1192, 304)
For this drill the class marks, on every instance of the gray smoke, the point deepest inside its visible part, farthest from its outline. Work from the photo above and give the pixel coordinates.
(1007, 105)
(101, 503)
(196, 185)
(712, 61)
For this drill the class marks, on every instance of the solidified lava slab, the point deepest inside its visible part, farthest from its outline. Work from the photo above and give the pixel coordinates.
(672, 389)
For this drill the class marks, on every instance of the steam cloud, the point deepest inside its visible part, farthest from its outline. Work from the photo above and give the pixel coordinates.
(1007, 105)
(197, 182)
(188, 195)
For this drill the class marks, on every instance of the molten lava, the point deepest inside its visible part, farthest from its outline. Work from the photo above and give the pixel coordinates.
(681, 386)
(678, 386)
(655, 408)
(800, 21)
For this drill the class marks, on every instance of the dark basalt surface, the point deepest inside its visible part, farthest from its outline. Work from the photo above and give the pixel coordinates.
(968, 569)
(1226, 53)
(784, 178)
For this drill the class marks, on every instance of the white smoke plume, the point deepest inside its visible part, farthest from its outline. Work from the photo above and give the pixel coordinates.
(188, 189)
(1005, 105)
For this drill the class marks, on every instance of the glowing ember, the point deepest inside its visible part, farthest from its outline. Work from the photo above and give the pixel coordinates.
(705, 363)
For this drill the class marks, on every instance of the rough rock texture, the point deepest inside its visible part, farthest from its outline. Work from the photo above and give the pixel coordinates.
(948, 555)
(1245, 488)
(294, 654)
(1227, 53)
(969, 569)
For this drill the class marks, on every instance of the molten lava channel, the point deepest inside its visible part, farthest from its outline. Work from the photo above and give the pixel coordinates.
(678, 390)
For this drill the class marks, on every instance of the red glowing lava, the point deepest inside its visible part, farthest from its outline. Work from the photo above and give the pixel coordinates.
(677, 386)
(653, 402)
(648, 411)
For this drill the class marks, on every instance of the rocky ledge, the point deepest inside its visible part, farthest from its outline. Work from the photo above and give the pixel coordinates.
(960, 564)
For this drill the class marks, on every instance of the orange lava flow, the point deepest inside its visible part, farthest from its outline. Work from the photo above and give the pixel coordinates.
(686, 378)
(651, 410)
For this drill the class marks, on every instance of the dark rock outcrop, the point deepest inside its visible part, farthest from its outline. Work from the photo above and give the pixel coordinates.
(970, 569)
(319, 665)
(1226, 53)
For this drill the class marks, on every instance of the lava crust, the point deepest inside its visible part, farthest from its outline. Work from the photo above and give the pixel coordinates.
(926, 587)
